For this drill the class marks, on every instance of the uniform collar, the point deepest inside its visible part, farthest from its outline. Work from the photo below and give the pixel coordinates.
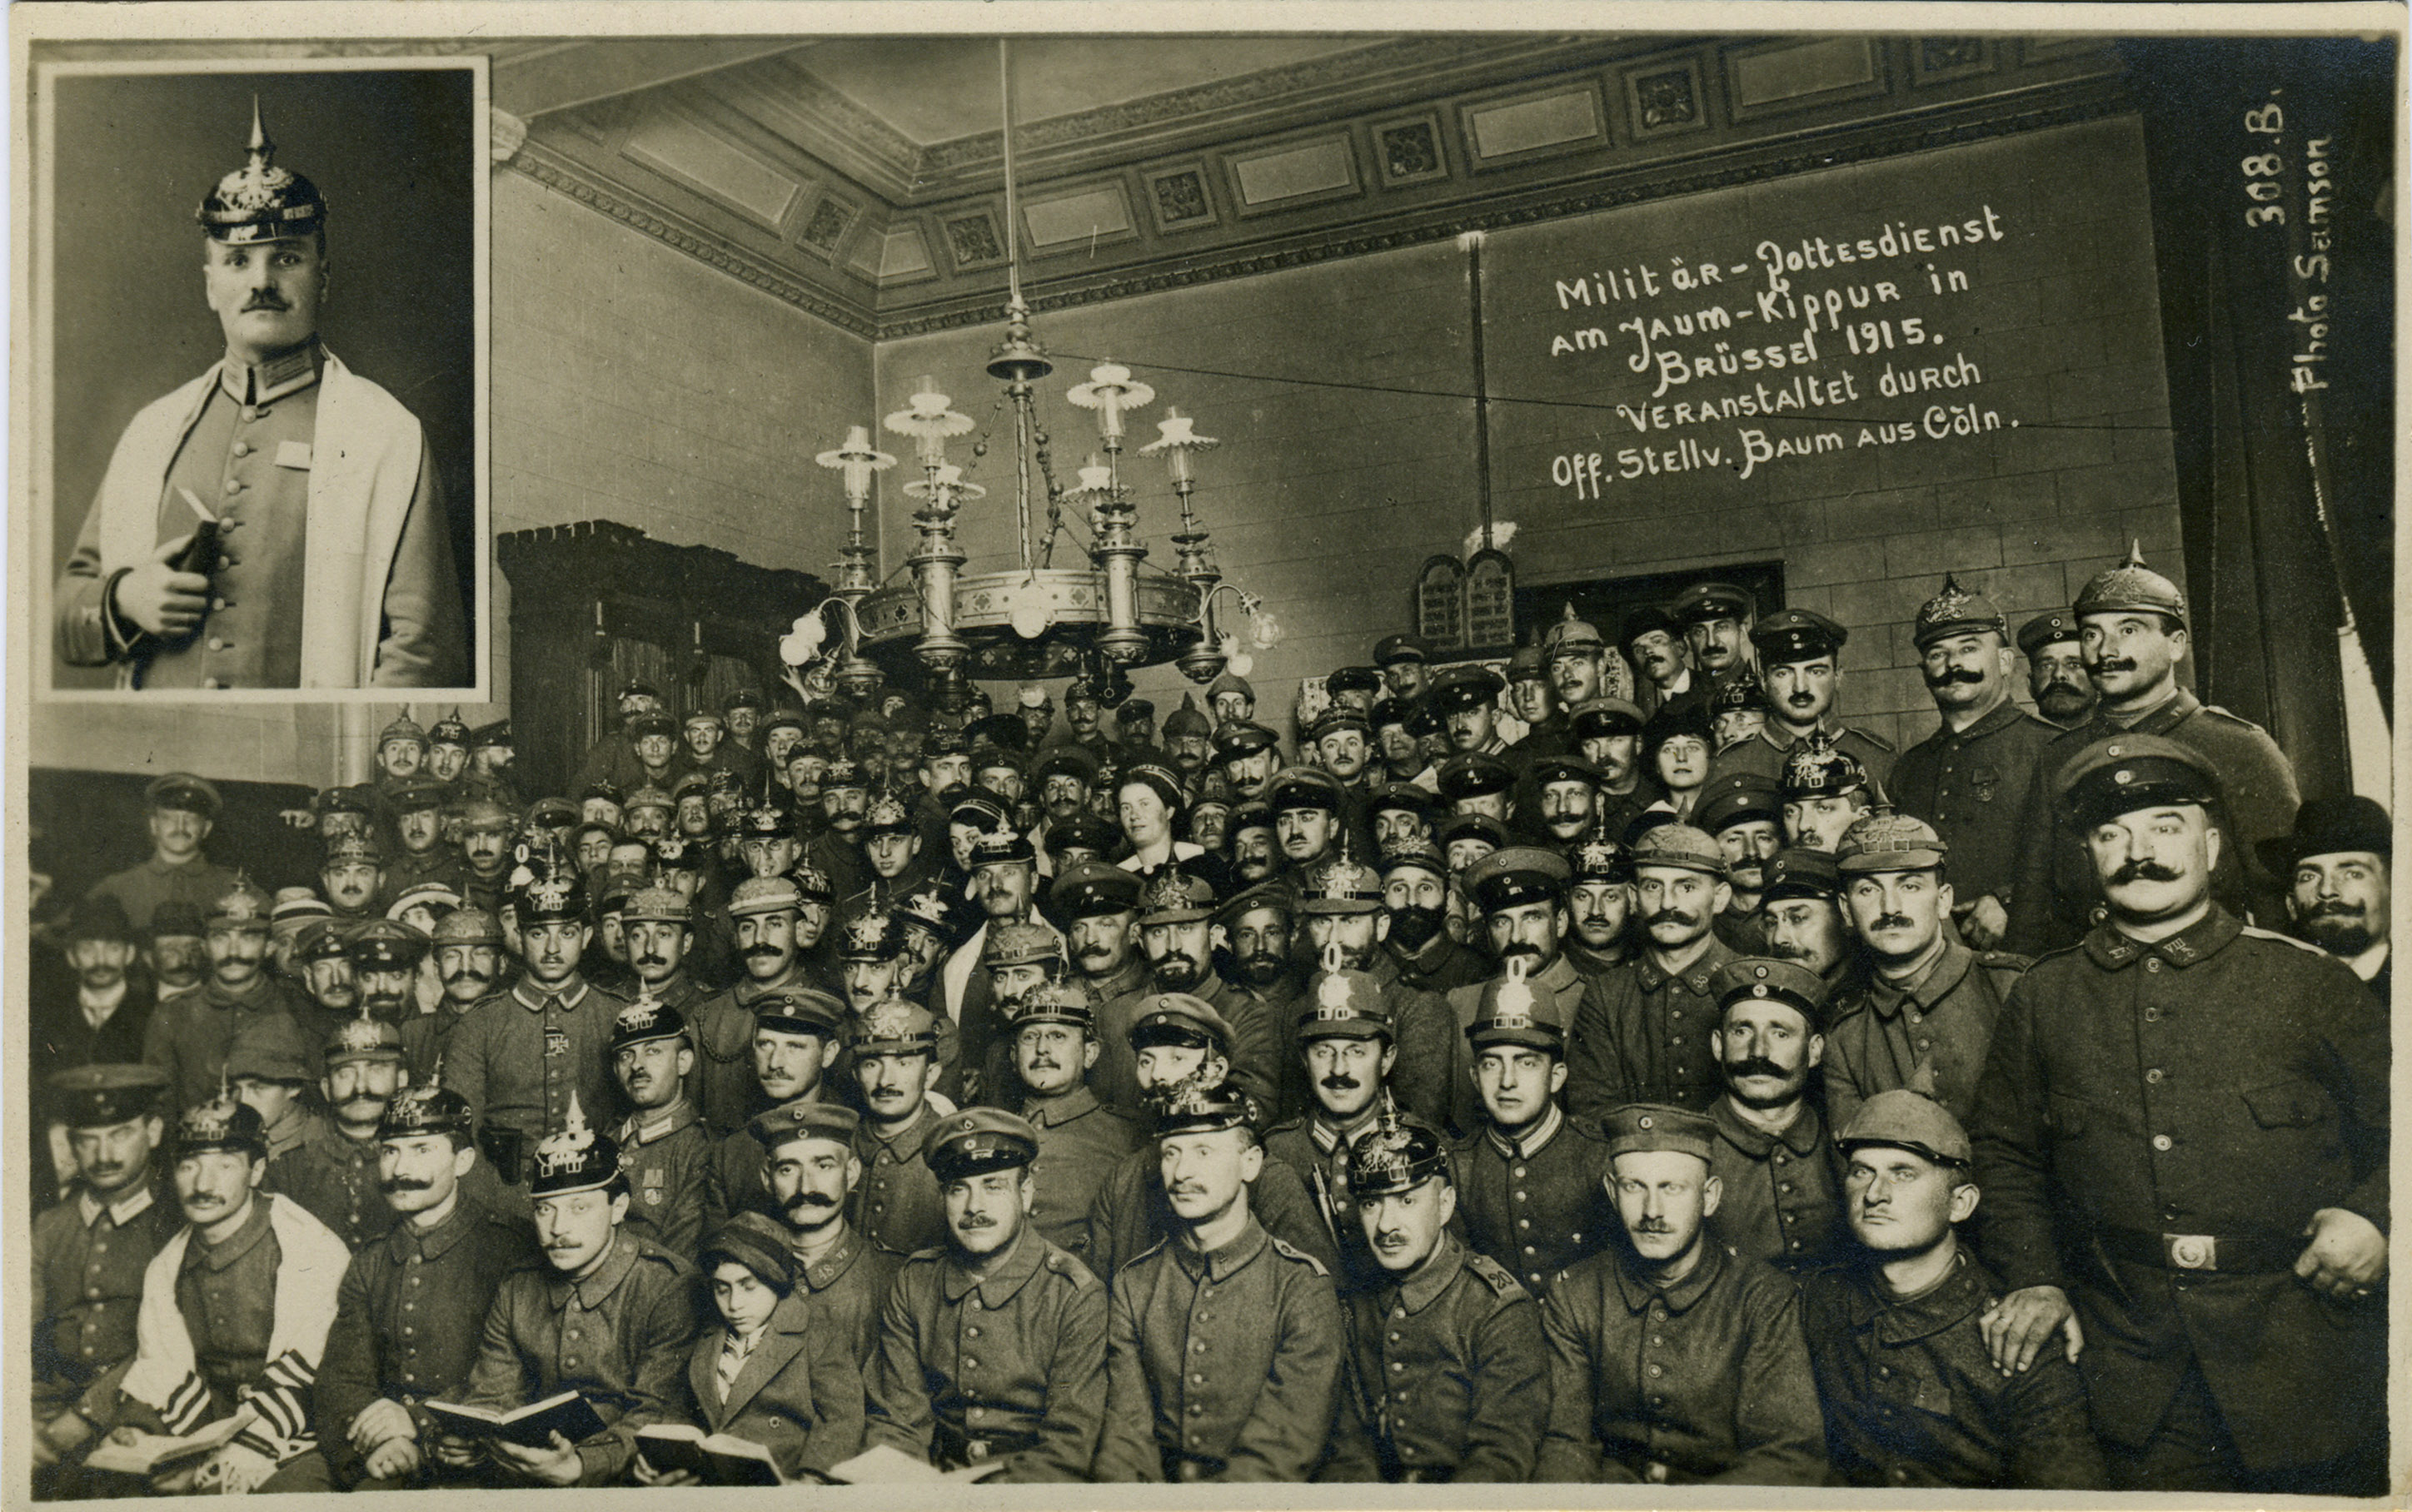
(1558, 975)
(1696, 976)
(823, 1273)
(1054, 1112)
(120, 1212)
(2200, 941)
(909, 1136)
(1423, 1286)
(747, 990)
(1219, 1265)
(1943, 975)
(262, 382)
(1639, 1292)
(660, 1124)
(241, 1242)
(1574, 951)
(1961, 1295)
(535, 999)
(404, 1236)
(261, 994)
(292, 1127)
(1524, 1148)
(593, 1290)
(998, 1285)
(1330, 1137)
(1801, 1138)
(2159, 722)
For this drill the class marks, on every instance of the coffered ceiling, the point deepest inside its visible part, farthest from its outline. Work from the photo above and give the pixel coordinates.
(862, 177)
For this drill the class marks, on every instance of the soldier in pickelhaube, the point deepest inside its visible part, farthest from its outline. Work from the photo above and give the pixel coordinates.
(1737, 710)
(892, 1055)
(992, 1347)
(334, 563)
(522, 1055)
(1825, 791)
(1599, 906)
(448, 748)
(1347, 1048)
(1529, 1180)
(2132, 630)
(334, 1171)
(189, 1035)
(234, 1312)
(1446, 1379)
(665, 1152)
(89, 1253)
(1970, 779)
(1642, 1034)
(1225, 1342)
(1799, 668)
(411, 1311)
(1342, 904)
(607, 1314)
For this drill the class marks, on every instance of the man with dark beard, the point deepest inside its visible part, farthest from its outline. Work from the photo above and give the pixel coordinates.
(1259, 925)
(1178, 938)
(468, 947)
(385, 955)
(1969, 778)
(2064, 695)
(1783, 1199)
(2336, 866)
(1642, 1034)
(1415, 894)
(1923, 1016)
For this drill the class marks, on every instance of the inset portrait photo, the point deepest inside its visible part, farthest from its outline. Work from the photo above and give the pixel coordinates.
(258, 377)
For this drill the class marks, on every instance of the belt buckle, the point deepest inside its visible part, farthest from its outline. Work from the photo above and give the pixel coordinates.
(2192, 1251)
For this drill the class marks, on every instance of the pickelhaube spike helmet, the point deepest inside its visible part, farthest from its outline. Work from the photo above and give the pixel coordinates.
(874, 936)
(449, 731)
(431, 1109)
(2131, 586)
(1955, 612)
(1399, 1154)
(363, 1037)
(403, 728)
(573, 1158)
(260, 202)
(1819, 767)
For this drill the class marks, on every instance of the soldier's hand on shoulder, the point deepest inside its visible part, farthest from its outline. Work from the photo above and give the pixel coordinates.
(158, 598)
(2346, 1256)
(1986, 923)
(2017, 1328)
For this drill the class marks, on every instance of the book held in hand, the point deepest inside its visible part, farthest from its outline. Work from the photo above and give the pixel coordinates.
(530, 1427)
(150, 1453)
(713, 1459)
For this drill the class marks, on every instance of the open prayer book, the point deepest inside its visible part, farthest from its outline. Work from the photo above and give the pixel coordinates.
(150, 1453)
(716, 1459)
(884, 1466)
(530, 1427)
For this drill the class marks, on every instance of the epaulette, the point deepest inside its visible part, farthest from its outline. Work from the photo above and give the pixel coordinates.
(931, 1255)
(1494, 1275)
(1142, 1255)
(2259, 933)
(2004, 959)
(1286, 1125)
(1068, 1266)
(678, 1264)
(2233, 719)
(1291, 1251)
(1873, 739)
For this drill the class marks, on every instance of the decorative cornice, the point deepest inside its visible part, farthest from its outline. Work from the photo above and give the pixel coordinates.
(1800, 152)
(563, 176)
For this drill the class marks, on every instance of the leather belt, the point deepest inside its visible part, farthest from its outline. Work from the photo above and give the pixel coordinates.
(2227, 1254)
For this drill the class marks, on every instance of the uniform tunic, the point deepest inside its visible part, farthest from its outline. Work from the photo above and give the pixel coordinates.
(226, 1292)
(143, 890)
(1006, 1365)
(1705, 1380)
(667, 1158)
(2221, 1086)
(1255, 1051)
(896, 1205)
(1642, 1036)
(87, 1271)
(1081, 1141)
(723, 1087)
(2056, 893)
(738, 1182)
(520, 1056)
(1783, 1199)
(1930, 1035)
(1446, 1378)
(1972, 786)
(1132, 1215)
(409, 1320)
(1318, 1150)
(1430, 1070)
(1535, 1203)
(1220, 1367)
(1911, 1396)
(189, 1035)
(335, 1177)
(618, 1337)
(848, 1286)
(1764, 753)
(427, 1039)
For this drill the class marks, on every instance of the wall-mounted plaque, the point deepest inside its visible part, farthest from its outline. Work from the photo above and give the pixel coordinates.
(1490, 599)
(1440, 603)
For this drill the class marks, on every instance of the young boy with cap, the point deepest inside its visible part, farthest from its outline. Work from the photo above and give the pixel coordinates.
(609, 1316)
(993, 1346)
(1446, 1379)
(769, 1370)
(665, 1153)
(1672, 1362)
(1224, 1342)
(1894, 1332)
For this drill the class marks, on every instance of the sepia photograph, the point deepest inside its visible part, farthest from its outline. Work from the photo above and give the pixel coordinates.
(1559, 751)
(261, 469)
